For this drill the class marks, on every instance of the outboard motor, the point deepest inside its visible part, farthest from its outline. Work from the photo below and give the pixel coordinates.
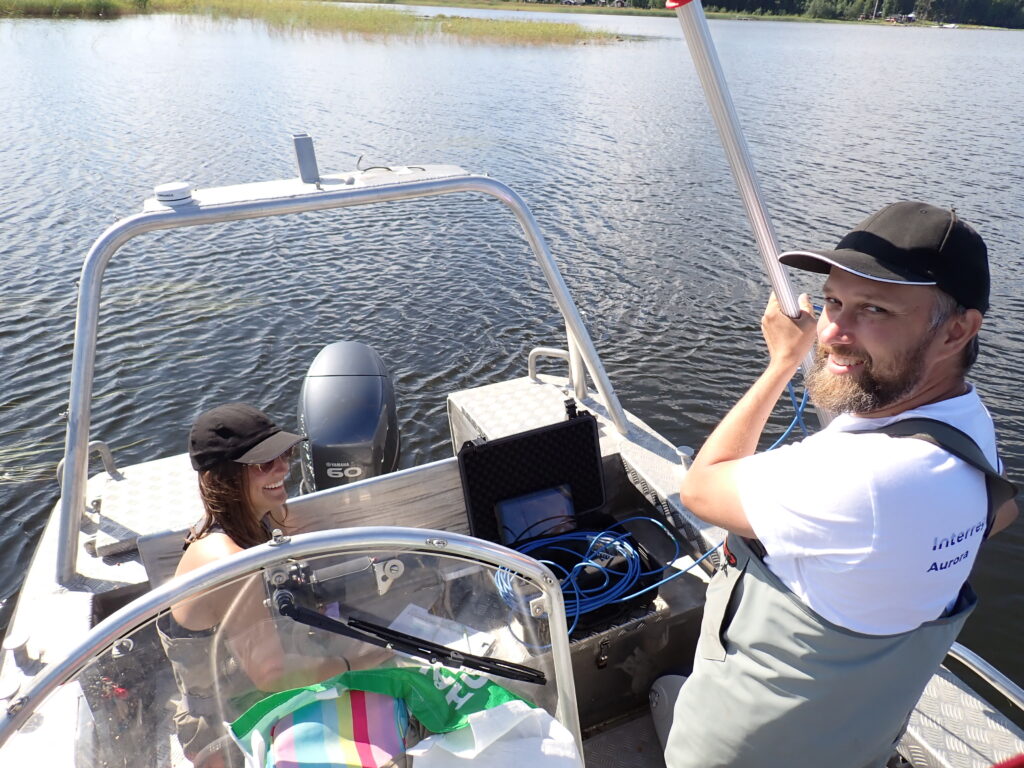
(347, 410)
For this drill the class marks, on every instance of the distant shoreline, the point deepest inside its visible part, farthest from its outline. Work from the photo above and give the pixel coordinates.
(332, 15)
(604, 10)
(608, 10)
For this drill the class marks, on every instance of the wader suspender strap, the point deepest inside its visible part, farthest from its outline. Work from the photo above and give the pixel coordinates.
(952, 440)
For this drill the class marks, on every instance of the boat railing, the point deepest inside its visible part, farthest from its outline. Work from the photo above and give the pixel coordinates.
(989, 674)
(106, 456)
(559, 354)
(177, 205)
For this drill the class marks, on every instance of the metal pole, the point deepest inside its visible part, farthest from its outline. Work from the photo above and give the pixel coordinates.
(577, 373)
(716, 91)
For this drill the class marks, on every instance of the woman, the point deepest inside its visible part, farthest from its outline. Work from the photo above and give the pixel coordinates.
(223, 646)
(242, 458)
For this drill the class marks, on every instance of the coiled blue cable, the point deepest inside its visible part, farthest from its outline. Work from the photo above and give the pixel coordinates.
(617, 585)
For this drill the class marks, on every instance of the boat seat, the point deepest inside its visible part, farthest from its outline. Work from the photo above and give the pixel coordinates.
(160, 553)
(145, 499)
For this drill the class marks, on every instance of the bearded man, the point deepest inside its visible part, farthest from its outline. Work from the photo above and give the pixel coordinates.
(846, 563)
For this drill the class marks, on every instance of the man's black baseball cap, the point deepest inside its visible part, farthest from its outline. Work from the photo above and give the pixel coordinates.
(236, 432)
(914, 243)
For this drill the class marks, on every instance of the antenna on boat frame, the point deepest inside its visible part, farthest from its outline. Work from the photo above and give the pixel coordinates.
(305, 155)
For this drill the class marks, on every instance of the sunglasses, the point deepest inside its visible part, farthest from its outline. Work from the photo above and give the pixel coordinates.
(267, 466)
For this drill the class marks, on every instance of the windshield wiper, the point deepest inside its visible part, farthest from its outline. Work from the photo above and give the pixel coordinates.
(385, 637)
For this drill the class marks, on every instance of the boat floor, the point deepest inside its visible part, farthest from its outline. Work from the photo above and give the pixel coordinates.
(632, 744)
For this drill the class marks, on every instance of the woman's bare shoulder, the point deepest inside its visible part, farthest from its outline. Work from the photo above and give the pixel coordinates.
(211, 547)
(208, 609)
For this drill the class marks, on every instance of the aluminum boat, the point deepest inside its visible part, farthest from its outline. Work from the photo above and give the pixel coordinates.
(85, 681)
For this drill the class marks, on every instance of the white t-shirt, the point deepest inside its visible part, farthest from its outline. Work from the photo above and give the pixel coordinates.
(875, 533)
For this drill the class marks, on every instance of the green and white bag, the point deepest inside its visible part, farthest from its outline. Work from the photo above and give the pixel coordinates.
(361, 719)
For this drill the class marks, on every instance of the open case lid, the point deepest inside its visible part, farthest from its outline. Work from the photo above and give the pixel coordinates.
(564, 454)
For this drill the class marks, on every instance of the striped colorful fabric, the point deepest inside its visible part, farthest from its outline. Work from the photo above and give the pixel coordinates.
(353, 730)
(361, 718)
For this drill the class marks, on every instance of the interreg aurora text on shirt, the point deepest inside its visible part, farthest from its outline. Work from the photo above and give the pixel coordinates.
(952, 540)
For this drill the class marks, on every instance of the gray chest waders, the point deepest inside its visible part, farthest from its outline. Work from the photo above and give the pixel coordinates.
(776, 685)
(212, 687)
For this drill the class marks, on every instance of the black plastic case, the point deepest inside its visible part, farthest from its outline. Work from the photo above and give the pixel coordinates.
(566, 453)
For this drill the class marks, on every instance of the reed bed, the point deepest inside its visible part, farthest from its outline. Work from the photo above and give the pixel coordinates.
(298, 15)
(519, 32)
(371, 21)
(76, 9)
(519, 5)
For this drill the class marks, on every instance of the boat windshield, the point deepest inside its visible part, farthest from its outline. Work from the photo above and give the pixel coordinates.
(377, 622)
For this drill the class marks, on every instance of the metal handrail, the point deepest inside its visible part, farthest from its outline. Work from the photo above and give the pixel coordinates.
(1013, 692)
(106, 456)
(302, 546)
(536, 352)
(253, 201)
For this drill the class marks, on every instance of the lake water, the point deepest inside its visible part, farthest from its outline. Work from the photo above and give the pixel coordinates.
(612, 147)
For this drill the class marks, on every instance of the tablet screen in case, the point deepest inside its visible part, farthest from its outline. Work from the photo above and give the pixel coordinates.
(543, 513)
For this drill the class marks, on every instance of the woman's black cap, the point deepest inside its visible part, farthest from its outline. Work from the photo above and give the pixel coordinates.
(236, 432)
(914, 243)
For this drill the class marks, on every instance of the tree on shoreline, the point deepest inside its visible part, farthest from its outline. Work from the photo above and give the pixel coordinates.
(991, 13)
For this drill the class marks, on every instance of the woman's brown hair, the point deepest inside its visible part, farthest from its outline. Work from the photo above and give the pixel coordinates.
(225, 495)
